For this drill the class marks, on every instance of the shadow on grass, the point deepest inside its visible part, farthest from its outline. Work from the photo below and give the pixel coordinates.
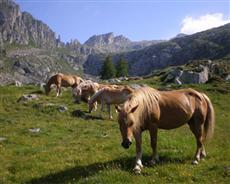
(37, 92)
(85, 115)
(81, 172)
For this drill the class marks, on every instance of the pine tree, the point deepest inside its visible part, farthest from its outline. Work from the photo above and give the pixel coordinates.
(108, 70)
(122, 68)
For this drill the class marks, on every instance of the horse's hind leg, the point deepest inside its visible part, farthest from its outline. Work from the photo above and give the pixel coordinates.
(153, 135)
(198, 130)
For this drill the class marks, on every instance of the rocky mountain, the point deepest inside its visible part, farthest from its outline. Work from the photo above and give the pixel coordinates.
(21, 28)
(108, 43)
(210, 44)
(30, 52)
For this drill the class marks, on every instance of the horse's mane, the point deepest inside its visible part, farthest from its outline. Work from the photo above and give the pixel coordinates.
(146, 98)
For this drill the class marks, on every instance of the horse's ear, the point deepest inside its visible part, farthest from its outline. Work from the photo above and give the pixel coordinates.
(118, 108)
(133, 109)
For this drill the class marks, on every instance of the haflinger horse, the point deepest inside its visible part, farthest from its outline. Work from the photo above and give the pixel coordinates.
(87, 89)
(62, 80)
(150, 109)
(108, 96)
(84, 91)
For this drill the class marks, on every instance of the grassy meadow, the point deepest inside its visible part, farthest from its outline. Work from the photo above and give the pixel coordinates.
(86, 149)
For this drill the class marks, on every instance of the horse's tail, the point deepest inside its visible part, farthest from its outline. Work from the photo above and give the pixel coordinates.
(209, 124)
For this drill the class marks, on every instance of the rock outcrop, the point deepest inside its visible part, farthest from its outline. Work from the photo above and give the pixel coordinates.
(108, 43)
(18, 27)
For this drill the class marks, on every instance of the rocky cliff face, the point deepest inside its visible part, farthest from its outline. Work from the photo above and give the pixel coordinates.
(21, 28)
(108, 43)
(210, 44)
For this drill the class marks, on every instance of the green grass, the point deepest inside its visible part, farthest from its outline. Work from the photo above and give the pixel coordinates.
(70, 149)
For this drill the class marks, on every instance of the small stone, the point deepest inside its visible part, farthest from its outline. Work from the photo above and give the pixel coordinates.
(3, 139)
(62, 108)
(28, 97)
(34, 130)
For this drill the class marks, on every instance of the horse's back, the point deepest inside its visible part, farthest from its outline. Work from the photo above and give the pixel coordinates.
(179, 106)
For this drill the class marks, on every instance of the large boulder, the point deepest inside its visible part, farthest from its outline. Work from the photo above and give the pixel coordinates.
(189, 77)
(180, 76)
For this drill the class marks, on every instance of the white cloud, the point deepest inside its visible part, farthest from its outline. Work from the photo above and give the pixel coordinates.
(192, 25)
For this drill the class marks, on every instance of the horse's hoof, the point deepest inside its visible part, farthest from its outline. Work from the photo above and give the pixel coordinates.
(202, 156)
(152, 162)
(195, 162)
(137, 169)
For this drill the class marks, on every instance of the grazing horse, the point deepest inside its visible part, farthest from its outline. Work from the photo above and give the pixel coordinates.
(62, 80)
(109, 96)
(150, 109)
(87, 89)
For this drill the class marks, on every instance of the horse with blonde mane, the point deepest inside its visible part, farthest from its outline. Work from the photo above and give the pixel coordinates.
(62, 80)
(84, 91)
(150, 109)
(108, 96)
(87, 89)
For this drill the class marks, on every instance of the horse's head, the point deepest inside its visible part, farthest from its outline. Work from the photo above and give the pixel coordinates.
(47, 89)
(126, 122)
(91, 106)
(77, 92)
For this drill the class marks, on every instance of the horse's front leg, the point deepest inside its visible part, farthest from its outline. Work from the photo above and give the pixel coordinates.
(153, 135)
(102, 108)
(109, 111)
(95, 106)
(138, 165)
(58, 90)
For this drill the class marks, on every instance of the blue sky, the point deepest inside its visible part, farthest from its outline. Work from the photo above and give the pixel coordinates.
(135, 19)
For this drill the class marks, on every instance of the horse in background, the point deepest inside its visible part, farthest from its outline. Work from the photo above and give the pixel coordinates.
(87, 89)
(150, 109)
(84, 91)
(62, 80)
(108, 96)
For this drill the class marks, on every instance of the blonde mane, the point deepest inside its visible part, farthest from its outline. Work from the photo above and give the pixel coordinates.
(146, 98)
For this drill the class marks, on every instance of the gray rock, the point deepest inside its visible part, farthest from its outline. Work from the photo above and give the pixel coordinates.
(34, 130)
(115, 80)
(62, 108)
(227, 78)
(189, 77)
(3, 139)
(28, 97)
(18, 83)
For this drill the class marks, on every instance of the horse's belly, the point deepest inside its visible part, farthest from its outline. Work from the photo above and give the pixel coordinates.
(170, 125)
(66, 84)
(173, 121)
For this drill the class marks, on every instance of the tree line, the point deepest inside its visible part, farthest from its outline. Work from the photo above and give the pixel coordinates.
(111, 70)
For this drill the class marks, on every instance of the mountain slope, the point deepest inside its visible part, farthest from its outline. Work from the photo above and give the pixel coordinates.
(210, 44)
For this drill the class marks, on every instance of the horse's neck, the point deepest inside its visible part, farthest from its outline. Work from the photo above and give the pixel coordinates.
(50, 82)
(96, 96)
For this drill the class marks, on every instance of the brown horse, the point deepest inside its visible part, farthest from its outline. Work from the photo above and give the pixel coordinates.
(62, 80)
(108, 96)
(87, 89)
(150, 109)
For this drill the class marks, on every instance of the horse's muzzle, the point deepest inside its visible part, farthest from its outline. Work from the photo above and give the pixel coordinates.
(126, 143)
